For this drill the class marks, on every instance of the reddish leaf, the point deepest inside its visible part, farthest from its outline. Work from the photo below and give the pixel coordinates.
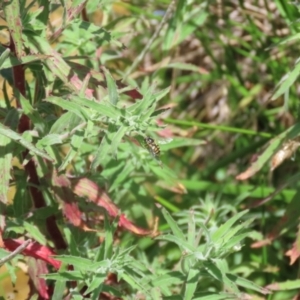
(35, 250)
(260, 244)
(97, 78)
(90, 190)
(62, 190)
(37, 267)
(124, 222)
(2, 226)
(294, 252)
(75, 81)
(73, 214)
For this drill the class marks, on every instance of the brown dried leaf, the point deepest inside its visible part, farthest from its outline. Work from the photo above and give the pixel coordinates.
(287, 150)
(294, 252)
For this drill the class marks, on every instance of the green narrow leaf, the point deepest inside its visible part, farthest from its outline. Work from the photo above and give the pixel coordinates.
(14, 61)
(107, 109)
(214, 296)
(3, 58)
(191, 284)
(183, 66)
(65, 123)
(65, 276)
(223, 229)
(233, 231)
(129, 277)
(108, 144)
(286, 81)
(72, 244)
(148, 101)
(170, 278)
(20, 139)
(181, 243)
(60, 286)
(79, 110)
(192, 229)
(100, 253)
(13, 17)
(35, 233)
(181, 142)
(48, 140)
(173, 225)
(122, 176)
(212, 269)
(6, 153)
(102, 151)
(96, 285)
(5, 166)
(117, 139)
(79, 263)
(175, 25)
(112, 87)
(37, 120)
(108, 239)
(247, 284)
(76, 142)
(159, 111)
(286, 285)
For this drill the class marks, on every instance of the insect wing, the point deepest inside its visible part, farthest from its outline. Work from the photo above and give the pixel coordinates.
(163, 141)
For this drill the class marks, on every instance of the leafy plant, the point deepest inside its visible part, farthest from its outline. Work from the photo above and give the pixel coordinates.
(116, 115)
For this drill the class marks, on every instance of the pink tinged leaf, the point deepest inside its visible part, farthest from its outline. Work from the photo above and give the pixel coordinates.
(77, 83)
(90, 190)
(35, 250)
(97, 78)
(260, 244)
(125, 223)
(294, 252)
(37, 267)
(87, 188)
(72, 213)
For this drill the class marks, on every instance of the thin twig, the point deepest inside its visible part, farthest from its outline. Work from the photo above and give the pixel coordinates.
(148, 45)
(15, 253)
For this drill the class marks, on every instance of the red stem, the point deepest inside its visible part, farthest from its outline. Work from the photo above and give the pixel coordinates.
(34, 182)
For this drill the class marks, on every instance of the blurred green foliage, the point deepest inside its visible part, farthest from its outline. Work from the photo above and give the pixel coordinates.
(214, 84)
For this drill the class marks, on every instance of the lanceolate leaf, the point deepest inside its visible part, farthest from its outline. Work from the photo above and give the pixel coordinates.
(287, 80)
(19, 139)
(10, 61)
(13, 18)
(6, 153)
(34, 250)
(3, 58)
(107, 109)
(77, 109)
(92, 192)
(112, 88)
(273, 147)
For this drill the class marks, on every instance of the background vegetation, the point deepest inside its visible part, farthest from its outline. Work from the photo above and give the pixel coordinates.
(89, 209)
